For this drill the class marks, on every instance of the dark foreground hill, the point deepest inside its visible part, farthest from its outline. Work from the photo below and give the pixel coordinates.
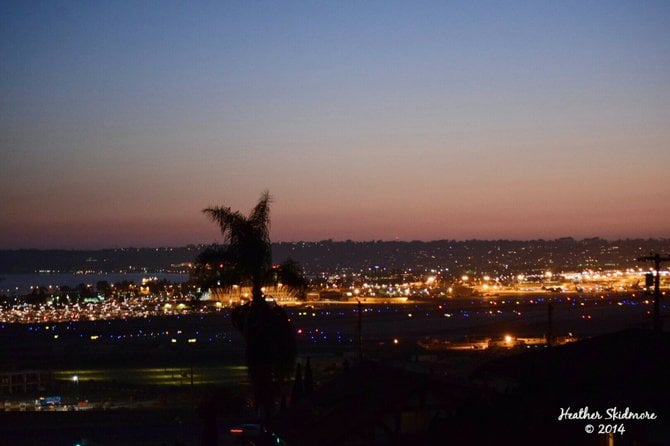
(513, 400)
(516, 400)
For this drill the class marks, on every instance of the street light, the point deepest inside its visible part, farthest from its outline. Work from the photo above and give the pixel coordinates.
(75, 380)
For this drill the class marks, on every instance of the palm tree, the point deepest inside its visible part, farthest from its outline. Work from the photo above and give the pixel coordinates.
(248, 242)
(246, 259)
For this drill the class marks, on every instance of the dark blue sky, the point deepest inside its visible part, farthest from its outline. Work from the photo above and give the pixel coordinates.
(414, 120)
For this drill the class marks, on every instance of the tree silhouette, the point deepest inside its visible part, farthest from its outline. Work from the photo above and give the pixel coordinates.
(309, 379)
(298, 389)
(246, 259)
(290, 274)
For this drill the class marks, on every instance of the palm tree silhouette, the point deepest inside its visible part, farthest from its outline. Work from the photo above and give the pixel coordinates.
(246, 259)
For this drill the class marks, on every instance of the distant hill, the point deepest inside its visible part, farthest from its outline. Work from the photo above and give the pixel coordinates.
(104, 260)
(470, 256)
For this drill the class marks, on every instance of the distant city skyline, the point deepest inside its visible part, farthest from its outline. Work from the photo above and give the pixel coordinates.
(428, 120)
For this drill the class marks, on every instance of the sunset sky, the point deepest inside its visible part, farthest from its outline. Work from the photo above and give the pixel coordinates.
(121, 121)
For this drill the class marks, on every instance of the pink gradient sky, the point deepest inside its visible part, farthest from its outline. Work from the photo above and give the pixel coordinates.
(377, 121)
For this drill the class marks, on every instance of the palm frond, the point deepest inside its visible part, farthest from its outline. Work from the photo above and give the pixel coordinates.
(259, 219)
(230, 222)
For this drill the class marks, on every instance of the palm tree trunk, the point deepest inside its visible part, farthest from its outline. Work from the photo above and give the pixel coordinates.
(257, 291)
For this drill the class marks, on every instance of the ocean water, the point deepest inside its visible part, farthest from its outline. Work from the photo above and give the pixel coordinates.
(21, 283)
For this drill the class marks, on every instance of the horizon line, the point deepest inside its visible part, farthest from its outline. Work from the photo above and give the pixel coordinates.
(609, 240)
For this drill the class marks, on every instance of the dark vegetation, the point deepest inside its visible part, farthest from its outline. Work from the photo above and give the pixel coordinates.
(246, 260)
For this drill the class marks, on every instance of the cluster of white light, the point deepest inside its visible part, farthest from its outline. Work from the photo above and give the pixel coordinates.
(136, 307)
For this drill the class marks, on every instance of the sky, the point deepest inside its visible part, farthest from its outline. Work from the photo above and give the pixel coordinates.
(121, 121)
